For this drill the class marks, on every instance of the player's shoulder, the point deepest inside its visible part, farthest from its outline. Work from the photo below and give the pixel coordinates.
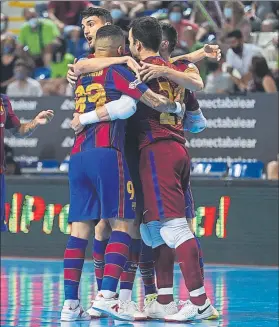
(184, 65)
(181, 62)
(85, 56)
(121, 69)
(155, 60)
(4, 97)
(5, 102)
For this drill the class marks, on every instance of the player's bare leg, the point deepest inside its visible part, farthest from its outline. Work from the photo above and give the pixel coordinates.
(177, 235)
(73, 264)
(101, 238)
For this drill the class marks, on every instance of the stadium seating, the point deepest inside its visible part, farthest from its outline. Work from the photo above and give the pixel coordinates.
(40, 167)
(209, 169)
(64, 167)
(246, 170)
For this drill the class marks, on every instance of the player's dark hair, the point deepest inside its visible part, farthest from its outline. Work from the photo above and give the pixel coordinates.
(236, 33)
(148, 31)
(102, 13)
(170, 34)
(111, 32)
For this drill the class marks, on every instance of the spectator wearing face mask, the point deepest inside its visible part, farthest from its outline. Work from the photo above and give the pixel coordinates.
(119, 15)
(8, 59)
(217, 81)
(234, 14)
(23, 86)
(239, 57)
(37, 34)
(76, 43)
(175, 18)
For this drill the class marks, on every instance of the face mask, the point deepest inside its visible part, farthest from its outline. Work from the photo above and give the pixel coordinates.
(116, 14)
(183, 44)
(8, 49)
(237, 49)
(20, 76)
(228, 12)
(175, 17)
(33, 22)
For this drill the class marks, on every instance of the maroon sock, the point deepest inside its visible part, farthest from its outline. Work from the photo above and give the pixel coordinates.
(164, 265)
(188, 258)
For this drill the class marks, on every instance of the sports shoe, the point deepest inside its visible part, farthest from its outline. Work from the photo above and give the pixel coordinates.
(94, 313)
(73, 311)
(127, 310)
(156, 310)
(190, 311)
(116, 309)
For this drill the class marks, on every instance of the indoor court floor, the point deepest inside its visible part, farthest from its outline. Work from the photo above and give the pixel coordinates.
(32, 295)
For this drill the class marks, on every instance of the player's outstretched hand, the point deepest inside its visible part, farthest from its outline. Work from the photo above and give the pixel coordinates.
(44, 117)
(75, 124)
(150, 71)
(71, 76)
(133, 65)
(212, 51)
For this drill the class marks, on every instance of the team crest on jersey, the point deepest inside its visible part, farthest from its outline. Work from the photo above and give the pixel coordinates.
(134, 84)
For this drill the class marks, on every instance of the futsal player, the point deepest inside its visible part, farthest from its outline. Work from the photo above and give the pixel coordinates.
(164, 171)
(100, 17)
(9, 121)
(99, 176)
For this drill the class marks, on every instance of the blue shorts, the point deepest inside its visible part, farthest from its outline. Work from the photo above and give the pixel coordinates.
(190, 205)
(4, 227)
(100, 186)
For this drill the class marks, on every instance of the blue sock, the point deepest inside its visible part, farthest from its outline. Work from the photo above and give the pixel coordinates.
(146, 264)
(129, 273)
(99, 249)
(73, 263)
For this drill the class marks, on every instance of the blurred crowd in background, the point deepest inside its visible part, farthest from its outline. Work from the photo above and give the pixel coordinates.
(35, 62)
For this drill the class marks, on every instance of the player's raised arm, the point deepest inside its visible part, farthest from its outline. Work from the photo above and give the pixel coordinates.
(208, 51)
(190, 79)
(96, 64)
(126, 83)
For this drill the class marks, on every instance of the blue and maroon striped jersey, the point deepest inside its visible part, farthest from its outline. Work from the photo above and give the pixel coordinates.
(150, 125)
(96, 89)
(190, 99)
(8, 120)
